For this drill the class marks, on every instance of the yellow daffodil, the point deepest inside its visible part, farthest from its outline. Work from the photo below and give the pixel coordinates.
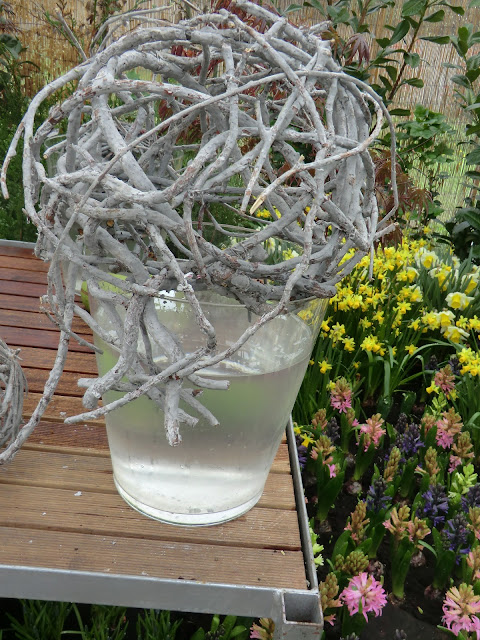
(372, 343)
(411, 348)
(445, 318)
(455, 334)
(403, 307)
(458, 300)
(324, 366)
(349, 344)
(307, 439)
(433, 388)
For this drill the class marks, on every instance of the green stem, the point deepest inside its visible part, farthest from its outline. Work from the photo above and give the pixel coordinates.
(409, 50)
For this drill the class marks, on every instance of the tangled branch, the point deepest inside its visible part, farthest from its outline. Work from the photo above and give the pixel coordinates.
(177, 137)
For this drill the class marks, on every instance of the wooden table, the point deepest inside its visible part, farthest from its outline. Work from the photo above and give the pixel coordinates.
(65, 533)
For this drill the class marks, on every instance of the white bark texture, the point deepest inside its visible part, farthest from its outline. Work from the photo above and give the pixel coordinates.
(176, 137)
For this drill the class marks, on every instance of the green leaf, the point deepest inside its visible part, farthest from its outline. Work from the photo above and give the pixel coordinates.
(412, 59)
(383, 42)
(438, 16)
(399, 112)
(461, 80)
(473, 106)
(385, 82)
(414, 82)
(400, 32)
(437, 39)
(460, 11)
(292, 7)
(392, 72)
(473, 157)
(413, 8)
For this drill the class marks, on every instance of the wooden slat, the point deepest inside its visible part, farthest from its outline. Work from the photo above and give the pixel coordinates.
(204, 563)
(82, 363)
(81, 511)
(59, 408)
(22, 337)
(17, 252)
(19, 302)
(26, 319)
(22, 289)
(21, 275)
(66, 387)
(42, 468)
(28, 263)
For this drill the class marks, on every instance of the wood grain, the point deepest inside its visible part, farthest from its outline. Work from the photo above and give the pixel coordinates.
(39, 467)
(81, 511)
(173, 560)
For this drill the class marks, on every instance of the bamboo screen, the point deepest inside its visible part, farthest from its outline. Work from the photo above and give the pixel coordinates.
(53, 54)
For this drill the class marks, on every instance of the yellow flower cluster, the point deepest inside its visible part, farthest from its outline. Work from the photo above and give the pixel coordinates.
(415, 296)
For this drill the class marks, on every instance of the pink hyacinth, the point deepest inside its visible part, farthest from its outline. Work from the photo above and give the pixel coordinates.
(364, 590)
(454, 462)
(459, 609)
(448, 426)
(341, 396)
(372, 431)
(332, 470)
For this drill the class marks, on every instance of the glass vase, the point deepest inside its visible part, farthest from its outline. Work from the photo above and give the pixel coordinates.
(216, 473)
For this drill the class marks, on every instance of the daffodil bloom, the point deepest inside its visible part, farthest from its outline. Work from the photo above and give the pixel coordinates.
(427, 259)
(403, 307)
(411, 348)
(445, 318)
(348, 344)
(416, 294)
(466, 355)
(471, 285)
(474, 323)
(365, 323)
(325, 327)
(433, 388)
(415, 325)
(379, 317)
(337, 331)
(462, 322)
(372, 343)
(455, 334)
(458, 300)
(307, 439)
(324, 366)
(431, 320)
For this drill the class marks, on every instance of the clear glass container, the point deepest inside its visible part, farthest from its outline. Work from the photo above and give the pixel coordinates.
(218, 472)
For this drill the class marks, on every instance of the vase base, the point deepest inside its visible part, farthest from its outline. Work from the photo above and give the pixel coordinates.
(188, 519)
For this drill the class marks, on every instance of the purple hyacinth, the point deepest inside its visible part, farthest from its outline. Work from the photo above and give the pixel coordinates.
(409, 441)
(302, 453)
(376, 498)
(332, 430)
(455, 536)
(472, 498)
(436, 504)
(455, 365)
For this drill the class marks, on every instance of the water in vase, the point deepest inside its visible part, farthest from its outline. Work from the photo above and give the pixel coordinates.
(215, 473)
